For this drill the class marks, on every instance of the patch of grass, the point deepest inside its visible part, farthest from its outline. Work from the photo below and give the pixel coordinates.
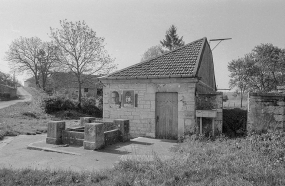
(24, 117)
(242, 161)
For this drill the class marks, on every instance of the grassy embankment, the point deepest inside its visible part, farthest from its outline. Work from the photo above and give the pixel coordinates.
(29, 117)
(24, 117)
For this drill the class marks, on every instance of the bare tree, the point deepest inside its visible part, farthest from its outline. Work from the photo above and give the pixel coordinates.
(47, 59)
(81, 51)
(23, 56)
(33, 56)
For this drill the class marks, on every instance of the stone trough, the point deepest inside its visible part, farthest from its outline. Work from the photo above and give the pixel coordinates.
(92, 134)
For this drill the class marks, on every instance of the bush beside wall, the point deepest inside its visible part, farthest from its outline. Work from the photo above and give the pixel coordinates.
(234, 122)
(54, 104)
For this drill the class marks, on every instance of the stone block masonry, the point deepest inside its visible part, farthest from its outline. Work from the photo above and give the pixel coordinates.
(54, 132)
(84, 120)
(124, 127)
(142, 115)
(93, 136)
(265, 111)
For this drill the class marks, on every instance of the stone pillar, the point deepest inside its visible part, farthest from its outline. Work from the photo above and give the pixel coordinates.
(84, 120)
(54, 132)
(93, 136)
(124, 128)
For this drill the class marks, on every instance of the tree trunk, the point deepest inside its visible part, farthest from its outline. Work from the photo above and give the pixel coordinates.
(241, 98)
(79, 93)
(44, 81)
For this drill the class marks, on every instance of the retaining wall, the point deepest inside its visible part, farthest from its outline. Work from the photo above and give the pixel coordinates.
(265, 111)
(4, 89)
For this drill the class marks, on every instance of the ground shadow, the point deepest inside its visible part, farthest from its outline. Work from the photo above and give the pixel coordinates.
(113, 149)
(168, 141)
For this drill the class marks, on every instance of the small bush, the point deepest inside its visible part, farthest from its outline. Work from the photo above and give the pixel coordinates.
(88, 106)
(58, 103)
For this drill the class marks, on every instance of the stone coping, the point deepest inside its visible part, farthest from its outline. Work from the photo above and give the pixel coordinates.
(42, 146)
(266, 94)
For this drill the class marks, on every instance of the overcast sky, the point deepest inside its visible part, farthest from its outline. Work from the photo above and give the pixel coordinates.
(130, 27)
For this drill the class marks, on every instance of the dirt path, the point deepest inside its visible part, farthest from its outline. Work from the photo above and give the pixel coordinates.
(24, 97)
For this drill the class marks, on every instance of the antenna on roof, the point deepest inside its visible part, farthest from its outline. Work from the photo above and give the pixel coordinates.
(220, 40)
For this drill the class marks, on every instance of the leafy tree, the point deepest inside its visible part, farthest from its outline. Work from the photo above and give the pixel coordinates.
(172, 41)
(262, 70)
(240, 72)
(225, 98)
(81, 51)
(7, 79)
(270, 68)
(152, 52)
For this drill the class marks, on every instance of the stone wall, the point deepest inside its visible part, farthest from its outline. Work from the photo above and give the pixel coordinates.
(4, 89)
(142, 113)
(265, 111)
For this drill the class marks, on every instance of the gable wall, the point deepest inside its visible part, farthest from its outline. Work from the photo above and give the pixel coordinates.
(142, 117)
(206, 72)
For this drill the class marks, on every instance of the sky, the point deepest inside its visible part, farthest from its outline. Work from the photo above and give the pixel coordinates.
(130, 27)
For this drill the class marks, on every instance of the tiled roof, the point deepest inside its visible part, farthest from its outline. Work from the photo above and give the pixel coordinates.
(180, 62)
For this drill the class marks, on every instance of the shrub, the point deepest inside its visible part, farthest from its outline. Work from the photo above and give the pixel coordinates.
(58, 103)
(88, 106)
(234, 122)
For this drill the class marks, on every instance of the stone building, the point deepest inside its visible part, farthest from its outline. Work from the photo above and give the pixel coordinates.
(66, 84)
(158, 96)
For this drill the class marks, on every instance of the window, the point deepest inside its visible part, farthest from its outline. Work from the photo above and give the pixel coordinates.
(85, 89)
(115, 97)
(128, 98)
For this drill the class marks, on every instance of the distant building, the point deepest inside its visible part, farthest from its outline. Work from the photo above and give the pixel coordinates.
(66, 84)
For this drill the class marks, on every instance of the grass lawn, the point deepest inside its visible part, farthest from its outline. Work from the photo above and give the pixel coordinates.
(28, 117)
(24, 117)
(255, 160)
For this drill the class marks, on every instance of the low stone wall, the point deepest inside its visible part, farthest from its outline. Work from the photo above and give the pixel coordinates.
(94, 136)
(7, 90)
(265, 111)
(111, 136)
(73, 136)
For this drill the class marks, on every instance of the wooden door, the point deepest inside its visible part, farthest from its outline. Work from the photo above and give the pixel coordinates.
(166, 115)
